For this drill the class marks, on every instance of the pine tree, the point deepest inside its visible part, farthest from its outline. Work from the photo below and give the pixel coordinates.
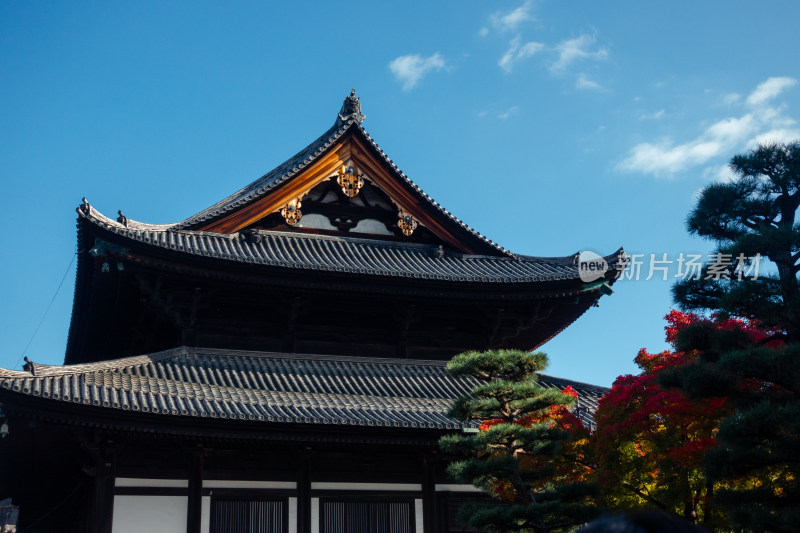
(519, 454)
(758, 455)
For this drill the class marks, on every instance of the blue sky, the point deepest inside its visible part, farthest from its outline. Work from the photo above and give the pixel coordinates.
(550, 127)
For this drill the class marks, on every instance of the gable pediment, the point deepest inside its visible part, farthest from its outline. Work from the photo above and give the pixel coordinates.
(351, 189)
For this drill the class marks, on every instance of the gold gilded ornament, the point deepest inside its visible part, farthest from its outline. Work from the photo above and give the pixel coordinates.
(350, 180)
(406, 222)
(291, 212)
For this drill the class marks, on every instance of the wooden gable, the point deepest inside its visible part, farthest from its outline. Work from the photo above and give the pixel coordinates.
(351, 190)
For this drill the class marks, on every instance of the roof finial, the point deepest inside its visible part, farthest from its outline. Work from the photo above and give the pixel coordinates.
(351, 110)
(29, 366)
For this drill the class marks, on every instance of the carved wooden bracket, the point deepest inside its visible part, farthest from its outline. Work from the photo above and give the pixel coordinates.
(406, 222)
(350, 180)
(291, 212)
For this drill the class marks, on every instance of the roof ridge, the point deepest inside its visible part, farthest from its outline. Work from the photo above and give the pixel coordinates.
(315, 357)
(40, 369)
(44, 370)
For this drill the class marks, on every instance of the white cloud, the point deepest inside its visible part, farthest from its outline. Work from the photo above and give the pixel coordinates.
(411, 68)
(776, 135)
(731, 98)
(561, 56)
(510, 20)
(510, 112)
(518, 51)
(579, 48)
(721, 173)
(658, 115)
(769, 89)
(722, 138)
(664, 158)
(585, 83)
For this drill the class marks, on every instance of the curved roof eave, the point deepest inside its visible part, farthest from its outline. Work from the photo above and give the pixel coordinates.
(347, 254)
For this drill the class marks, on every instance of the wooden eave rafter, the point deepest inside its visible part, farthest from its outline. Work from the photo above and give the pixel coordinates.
(318, 172)
(350, 148)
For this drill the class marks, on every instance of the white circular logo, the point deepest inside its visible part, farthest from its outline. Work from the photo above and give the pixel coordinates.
(591, 266)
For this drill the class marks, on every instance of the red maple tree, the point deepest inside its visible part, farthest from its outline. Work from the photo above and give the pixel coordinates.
(650, 441)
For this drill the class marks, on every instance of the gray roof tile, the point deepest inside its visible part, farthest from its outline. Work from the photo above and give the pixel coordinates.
(351, 255)
(305, 389)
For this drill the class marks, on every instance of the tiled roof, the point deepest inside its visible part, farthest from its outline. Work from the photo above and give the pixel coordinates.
(294, 165)
(267, 387)
(271, 179)
(349, 255)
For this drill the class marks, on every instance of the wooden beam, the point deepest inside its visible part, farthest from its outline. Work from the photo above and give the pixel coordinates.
(429, 511)
(194, 508)
(103, 492)
(304, 492)
(315, 174)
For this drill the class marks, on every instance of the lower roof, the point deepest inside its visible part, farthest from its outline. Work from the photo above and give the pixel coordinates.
(268, 387)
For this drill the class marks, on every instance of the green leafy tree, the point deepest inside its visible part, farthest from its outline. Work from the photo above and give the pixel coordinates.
(522, 454)
(758, 456)
(752, 216)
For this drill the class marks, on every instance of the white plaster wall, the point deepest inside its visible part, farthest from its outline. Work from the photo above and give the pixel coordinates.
(457, 488)
(247, 484)
(292, 515)
(326, 485)
(314, 220)
(146, 482)
(314, 515)
(205, 514)
(153, 514)
(370, 225)
(418, 520)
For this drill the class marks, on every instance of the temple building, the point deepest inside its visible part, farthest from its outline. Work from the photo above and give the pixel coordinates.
(275, 363)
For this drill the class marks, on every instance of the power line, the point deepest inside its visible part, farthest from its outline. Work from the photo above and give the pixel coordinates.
(62, 502)
(46, 310)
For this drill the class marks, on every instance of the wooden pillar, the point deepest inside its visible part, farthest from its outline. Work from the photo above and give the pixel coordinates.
(429, 511)
(304, 492)
(103, 491)
(195, 504)
(290, 338)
